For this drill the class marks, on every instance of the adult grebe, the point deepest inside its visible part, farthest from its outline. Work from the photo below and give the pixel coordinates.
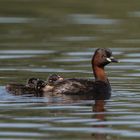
(98, 89)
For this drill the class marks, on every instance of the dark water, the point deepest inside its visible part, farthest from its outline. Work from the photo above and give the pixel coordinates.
(38, 38)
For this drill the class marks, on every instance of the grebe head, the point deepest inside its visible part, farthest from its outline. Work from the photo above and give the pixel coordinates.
(102, 57)
(40, 84)
(53, 78)
(32, 82)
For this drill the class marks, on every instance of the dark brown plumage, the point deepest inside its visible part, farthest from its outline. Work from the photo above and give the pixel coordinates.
(98, 89)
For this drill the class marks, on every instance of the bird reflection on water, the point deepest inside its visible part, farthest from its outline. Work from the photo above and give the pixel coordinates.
(99, 110)
(96, 109)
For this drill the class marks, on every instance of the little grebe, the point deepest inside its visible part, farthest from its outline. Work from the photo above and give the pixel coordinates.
(51, 81)
(33, 86)
(32, 82)
(98, 89)
(54, 78)
(20, 89)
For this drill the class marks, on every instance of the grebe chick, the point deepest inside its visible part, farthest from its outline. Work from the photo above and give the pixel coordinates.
(32, 82)
(33, 86)
(54, 78)
(20, 89)
(98, 89)
(51, 81)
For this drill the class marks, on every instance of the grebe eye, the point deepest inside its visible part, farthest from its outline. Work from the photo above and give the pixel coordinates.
(103, 56)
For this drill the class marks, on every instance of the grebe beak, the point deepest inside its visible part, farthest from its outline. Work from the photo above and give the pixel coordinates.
(112, 59)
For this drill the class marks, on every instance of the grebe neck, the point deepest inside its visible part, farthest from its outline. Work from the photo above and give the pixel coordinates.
(100, 74)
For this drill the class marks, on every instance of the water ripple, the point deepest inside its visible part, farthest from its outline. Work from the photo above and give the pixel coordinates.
(91, 19)
(16, 20)
(126, 133)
